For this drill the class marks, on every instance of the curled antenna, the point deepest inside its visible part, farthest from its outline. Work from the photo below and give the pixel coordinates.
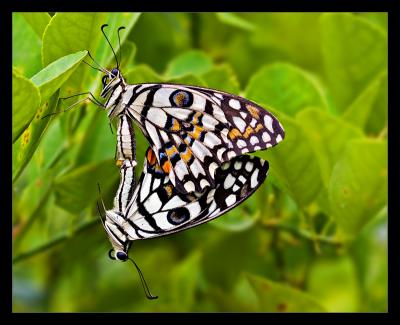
(102, 30)
(119, 44)
(144, 284)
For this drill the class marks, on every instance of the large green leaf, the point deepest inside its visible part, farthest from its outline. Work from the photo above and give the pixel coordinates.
(192, 62)
(77, 189)
(25, 102)
(328, 136)
(286, 88)
(358, 186)
(71, 32)
(362, 110)
(25, 46)
(141, 74)
(354, 52)
(55, 74)
(25, 146)
(276, 297)
(223, 78)
(38, 21)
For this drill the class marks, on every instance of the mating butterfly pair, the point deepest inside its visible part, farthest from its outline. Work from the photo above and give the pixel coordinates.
(195, 168)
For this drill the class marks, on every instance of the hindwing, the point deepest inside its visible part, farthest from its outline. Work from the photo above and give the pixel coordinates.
(157, 208)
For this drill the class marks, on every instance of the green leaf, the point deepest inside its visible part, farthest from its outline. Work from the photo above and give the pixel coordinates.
(361, 109)
(38, 21)
(54, 75)
(78, 189)
(142, 74)
(354, 52)
(286, 88)
(293, 162)
(25, 146)
(223, 78)
(128, 55)
(191, 62)
(358, 186)
(235, 20)
(185, 279)
(71, 32)
(276, 297)
(25, 102)
(327, 135)
(333, 282)
(25, 46)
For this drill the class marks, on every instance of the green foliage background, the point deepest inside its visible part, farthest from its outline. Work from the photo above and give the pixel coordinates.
(312, 238)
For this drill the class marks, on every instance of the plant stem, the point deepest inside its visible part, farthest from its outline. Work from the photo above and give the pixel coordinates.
(273, 224)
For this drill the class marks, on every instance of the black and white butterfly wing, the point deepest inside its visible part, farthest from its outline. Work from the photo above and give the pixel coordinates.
(193, 130)
(158, 209)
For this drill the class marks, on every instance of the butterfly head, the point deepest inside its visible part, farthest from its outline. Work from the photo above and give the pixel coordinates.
(110, 81)
(119, 240)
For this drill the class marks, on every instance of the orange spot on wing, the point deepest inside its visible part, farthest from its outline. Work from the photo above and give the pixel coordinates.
(166, 167)
(259, 127)
(151, 157)
(119, 162)
(175, 125)
(171, 151)
(196, 132)
(186, 155)
(253, 111)
(234, 133)
(249, 130)
(195, 118)
(169, 189)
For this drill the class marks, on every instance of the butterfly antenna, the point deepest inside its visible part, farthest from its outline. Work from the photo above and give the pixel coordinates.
(144, 284)
(102, 30)
(119, 44)
(100, 67)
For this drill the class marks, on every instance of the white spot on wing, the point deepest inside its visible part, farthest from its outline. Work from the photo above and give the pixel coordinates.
(237, 165)
(234, 103)
(213, 166)
(241, 143)
(211, 140)
(249, 166)
(241, 125)
(153, 203)
(173, 203)
(189, 186)
(254, 140)
(230, 200)
(157, 116)
(253, 181)
(278, 138)
(218, 95)
(220, 153)
(266, 137)
(268, 123)
(229, 181)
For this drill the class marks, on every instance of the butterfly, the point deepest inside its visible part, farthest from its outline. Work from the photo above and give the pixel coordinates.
(191, 130)
(156, 208)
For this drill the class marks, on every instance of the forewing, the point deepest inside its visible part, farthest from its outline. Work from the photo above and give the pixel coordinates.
(194, 130)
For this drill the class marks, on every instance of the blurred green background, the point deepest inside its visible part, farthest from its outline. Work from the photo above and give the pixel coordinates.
(312, 238)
